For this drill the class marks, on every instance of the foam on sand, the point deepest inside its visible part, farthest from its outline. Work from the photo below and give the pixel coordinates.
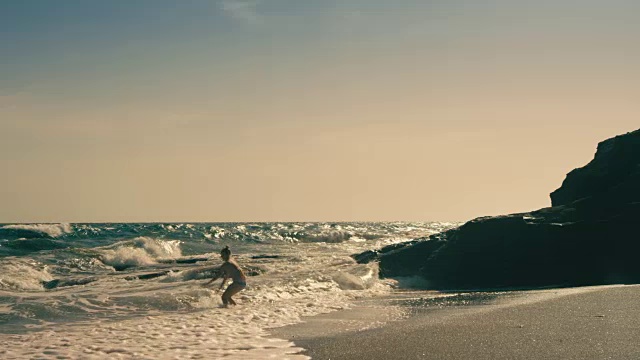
(228, 333)
(211, 333)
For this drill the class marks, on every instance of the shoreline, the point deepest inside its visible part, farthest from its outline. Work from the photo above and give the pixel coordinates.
(597, 322)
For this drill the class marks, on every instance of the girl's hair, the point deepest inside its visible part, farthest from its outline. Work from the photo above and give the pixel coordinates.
(225, 250)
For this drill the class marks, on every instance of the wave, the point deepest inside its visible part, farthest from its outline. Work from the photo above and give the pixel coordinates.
(23, 274)
(93, 235)
(357, 278)
(335, 236)
(290, 233)
(55, 283)
(35, 230)
(25, 246)
(141, 251)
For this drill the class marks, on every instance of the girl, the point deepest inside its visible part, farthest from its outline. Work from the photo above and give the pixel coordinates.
(229, 269)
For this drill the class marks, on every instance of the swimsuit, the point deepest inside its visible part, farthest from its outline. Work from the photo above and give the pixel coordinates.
(240, 282)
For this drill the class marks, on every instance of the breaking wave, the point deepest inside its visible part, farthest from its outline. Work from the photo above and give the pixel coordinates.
(141, 251)
(23, 274)
(35, 230)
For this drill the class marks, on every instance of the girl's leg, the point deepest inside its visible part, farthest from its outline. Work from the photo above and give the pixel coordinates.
(231, 290)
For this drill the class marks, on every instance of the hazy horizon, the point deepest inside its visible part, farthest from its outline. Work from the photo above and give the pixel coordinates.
(280, 110)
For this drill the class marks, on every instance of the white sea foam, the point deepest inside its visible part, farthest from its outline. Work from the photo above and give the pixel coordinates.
(213, 334)
(127, 257)
(141, 251)
(22, 274)
(53, 230)
(159, 248)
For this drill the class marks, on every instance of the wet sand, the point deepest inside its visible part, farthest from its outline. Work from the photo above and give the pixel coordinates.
(574, 323)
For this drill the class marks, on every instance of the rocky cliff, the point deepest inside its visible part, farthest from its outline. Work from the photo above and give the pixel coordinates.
(590, 235)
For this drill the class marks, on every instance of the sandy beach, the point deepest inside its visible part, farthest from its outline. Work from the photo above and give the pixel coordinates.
(600, 322)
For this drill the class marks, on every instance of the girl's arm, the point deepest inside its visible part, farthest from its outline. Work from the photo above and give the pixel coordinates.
(223, 281)
(215, 277)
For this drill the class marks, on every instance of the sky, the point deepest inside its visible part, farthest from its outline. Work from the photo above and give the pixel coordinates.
(291, 110)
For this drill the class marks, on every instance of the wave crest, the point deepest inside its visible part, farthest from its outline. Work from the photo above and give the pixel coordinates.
(20, 274)
(141, 251)
(38, 230)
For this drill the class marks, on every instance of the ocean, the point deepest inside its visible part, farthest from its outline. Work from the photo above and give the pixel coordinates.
(134, 290)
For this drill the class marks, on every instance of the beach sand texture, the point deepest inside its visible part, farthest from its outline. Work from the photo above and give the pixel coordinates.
(600, 322)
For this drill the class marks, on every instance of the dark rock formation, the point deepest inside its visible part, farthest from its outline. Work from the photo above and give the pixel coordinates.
(589, 236)
(617, 161)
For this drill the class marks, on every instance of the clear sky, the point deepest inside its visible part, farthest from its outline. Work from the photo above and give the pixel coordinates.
(292, 110)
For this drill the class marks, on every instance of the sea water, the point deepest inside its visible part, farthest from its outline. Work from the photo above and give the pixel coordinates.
(128, 290)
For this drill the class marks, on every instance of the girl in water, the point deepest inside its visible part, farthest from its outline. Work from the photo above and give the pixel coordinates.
(229, 269)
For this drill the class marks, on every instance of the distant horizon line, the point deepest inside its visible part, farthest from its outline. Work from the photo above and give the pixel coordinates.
(225, 222)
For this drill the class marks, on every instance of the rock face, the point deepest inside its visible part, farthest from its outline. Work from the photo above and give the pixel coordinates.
(590, 235)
